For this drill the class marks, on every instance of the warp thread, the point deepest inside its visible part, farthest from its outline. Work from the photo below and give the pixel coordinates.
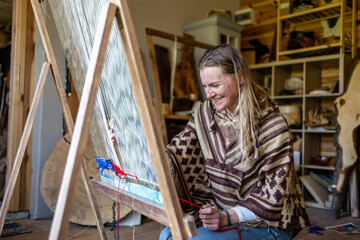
(107, 164)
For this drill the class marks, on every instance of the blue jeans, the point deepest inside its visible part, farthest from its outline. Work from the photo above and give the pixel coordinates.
(247, 232)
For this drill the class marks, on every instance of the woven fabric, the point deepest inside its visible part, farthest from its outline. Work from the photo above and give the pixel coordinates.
(208, 167)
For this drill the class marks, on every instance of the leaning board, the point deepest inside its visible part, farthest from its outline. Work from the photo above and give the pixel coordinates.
(123, 95)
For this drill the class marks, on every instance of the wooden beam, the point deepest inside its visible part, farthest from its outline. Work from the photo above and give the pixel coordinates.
(157, 88)
(180, 39)
(139, 204)
(21, 81)
(54, 67)
(10, 186)
(60, 222)
(66, 109)
(179, 227)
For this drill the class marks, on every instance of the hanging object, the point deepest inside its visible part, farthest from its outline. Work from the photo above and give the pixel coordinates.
(326, 2)
(331, 30)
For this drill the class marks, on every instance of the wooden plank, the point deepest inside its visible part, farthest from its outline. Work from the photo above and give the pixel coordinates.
(18, 78)
(66, 110)
(29, 89)
(10, 186)
(151, 127)
(139, 204)
(59, 226)
(93, 203)
(157, 89)
(52, 60)
(319, 193)
(180, 39)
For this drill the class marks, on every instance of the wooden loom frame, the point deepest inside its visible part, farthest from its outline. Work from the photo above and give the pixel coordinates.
(150, 33)
(30, 120)
(181, 226)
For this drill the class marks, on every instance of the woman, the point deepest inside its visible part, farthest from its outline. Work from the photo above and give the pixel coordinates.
(234, 158)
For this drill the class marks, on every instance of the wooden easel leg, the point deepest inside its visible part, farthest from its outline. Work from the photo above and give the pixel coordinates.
(93, 203)
(66, 109)
(354, 193)
(60, 222)
(23, 143)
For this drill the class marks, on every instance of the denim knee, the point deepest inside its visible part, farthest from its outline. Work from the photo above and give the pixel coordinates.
(165, 234)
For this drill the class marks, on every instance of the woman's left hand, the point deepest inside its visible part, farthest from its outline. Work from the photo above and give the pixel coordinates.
(211, 217)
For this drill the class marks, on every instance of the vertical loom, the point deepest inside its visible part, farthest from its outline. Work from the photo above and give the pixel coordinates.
(30, 120)
(124, 98)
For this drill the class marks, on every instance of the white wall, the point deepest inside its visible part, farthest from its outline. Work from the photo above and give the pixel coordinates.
(169, 16)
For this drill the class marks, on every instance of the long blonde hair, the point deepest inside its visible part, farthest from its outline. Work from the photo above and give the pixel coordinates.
(252, 97)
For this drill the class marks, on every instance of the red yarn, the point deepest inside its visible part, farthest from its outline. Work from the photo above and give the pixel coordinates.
(231, 228)
(121, 173)
(190, 203)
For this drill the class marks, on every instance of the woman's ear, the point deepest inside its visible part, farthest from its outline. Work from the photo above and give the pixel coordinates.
(241, 78)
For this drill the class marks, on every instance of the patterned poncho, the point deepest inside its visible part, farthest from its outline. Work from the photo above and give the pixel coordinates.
(208, 167)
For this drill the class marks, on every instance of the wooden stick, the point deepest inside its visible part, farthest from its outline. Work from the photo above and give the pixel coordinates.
(23, 143)
(60, 222)
(157, 88)
(52, 60)
(151, 126)
(180, 39)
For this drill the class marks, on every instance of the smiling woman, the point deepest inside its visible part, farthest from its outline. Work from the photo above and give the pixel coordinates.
(234, 158)
(221, 88)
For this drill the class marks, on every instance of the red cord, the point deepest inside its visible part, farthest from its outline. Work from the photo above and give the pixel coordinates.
(190, 203)
(218, 231)
(228, 229)
(121, 173)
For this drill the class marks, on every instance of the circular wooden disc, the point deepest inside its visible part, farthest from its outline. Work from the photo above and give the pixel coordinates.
(51, 180)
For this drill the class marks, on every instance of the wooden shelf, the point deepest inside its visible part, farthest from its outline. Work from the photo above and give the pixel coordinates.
(298, 96)
(315, 14)
(176, 117)
(309, 49)
(318, 167)
(318, 131)
(296, 130)
(300, 21)
(317, 73)
(330, 95)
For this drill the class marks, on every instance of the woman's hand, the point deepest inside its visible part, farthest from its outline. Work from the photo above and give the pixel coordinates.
(112, 136)
(212, 218)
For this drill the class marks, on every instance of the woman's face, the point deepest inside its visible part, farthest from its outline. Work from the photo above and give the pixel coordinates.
(221, 88)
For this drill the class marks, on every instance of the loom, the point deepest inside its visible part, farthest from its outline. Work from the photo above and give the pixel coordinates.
(76, 23)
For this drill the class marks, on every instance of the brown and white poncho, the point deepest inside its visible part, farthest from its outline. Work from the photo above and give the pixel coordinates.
(207, 167)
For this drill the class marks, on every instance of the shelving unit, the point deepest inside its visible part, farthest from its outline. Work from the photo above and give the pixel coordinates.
(287, 20)
(316, 72)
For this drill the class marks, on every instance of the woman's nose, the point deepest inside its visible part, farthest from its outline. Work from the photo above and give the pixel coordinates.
(210, 94)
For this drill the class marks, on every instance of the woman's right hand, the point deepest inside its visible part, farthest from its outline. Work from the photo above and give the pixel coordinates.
(112, 136)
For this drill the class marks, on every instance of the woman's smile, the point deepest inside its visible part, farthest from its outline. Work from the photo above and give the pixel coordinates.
(221, 88)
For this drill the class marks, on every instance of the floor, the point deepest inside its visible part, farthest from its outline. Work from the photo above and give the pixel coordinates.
(150, 230)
